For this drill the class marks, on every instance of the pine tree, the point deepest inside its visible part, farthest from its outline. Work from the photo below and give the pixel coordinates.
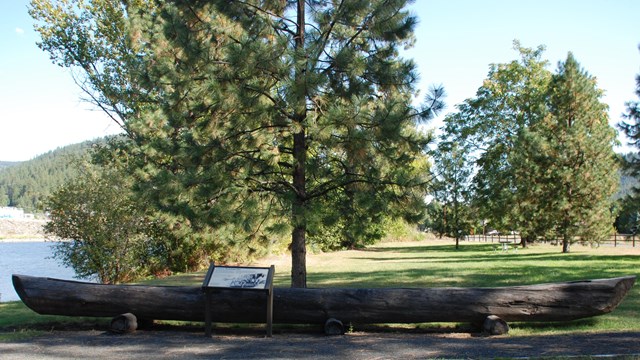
(571, 151)
(248, 111)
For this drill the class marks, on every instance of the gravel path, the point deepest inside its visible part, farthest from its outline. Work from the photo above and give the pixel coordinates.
(171, 344)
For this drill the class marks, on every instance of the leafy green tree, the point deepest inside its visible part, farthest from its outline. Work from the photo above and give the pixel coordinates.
(490, 125)
(571, 151)
(243, 112)
(434, 218)
(100, 225)
(346, 223)
(543, 150)
(451, 188)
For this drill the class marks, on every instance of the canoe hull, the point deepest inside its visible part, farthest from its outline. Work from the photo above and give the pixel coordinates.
(544, 302)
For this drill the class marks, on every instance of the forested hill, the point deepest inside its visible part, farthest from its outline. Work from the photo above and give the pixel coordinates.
(25, 184)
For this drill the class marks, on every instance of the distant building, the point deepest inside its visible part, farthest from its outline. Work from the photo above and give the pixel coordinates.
(10, 212)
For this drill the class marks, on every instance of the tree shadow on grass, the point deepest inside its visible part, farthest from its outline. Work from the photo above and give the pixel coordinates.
(555, 325)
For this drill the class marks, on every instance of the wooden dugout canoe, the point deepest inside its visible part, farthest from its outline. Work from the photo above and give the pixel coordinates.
(543, 302)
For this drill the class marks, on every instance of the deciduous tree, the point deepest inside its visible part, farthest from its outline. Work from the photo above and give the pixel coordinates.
(451, 188)
(103, 232)
(491, 124)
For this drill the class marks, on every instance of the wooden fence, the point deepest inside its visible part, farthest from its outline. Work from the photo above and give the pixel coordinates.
(629, 240)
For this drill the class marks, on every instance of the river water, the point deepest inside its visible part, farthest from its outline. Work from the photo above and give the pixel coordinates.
(27, 258)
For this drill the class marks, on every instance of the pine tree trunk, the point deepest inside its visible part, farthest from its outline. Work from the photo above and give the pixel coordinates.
(298, 258)
(298, 213)
(298, 241)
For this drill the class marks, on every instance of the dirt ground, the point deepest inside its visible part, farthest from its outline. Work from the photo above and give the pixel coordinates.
(192, 344)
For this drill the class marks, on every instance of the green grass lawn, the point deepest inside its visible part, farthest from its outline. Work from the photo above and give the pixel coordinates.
(426, 264)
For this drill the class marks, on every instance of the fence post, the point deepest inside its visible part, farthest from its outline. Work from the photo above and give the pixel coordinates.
(615, 239)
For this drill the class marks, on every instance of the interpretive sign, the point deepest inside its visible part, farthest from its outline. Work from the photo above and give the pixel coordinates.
(239, 278)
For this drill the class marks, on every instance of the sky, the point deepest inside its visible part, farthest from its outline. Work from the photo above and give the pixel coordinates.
(40, 105)
(457, 40)
(41, 108)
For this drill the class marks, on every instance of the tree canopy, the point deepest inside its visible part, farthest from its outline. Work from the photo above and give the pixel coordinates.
(451, 190)
(543, 150)
(571, 156)
(104, 231)
(490, 125)
(251, 112)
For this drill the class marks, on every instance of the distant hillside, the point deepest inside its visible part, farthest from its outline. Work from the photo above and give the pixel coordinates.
(26, 183)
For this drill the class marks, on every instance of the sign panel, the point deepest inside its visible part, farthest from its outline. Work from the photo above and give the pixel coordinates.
(239, 278)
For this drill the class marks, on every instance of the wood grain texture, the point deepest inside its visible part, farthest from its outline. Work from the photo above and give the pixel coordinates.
(544, 302)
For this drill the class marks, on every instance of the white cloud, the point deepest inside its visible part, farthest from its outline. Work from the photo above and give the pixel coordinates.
(19, 31)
